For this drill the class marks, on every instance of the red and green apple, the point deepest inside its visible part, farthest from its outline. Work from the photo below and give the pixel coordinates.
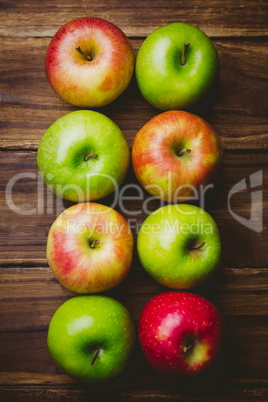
(176, 155)
(91, 338)
(180, 333)
(89, 248)
(89, 62)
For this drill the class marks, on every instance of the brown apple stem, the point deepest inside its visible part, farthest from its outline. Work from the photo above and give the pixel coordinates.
(184, 151)
(86, 56)
(183, 56)
(186, 348)
(94, 243)
(89, 156)
(97, 351)
(198, 246)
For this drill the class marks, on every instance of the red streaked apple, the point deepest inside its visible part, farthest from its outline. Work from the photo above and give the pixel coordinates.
(89, 62)
(89, 248)
(180, 333)
(175, 155)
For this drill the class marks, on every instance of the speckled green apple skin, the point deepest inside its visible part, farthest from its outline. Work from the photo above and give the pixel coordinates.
(164, 240)
(162, 80)
(85, 323)
(66, 143)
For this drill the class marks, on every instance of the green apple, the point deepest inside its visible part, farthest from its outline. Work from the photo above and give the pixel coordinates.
(91, 338)
(176, 66)
(83, 156)
(179, 245)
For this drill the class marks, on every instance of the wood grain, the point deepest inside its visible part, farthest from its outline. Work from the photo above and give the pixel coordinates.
(27, 352)
(30, 211)
(245, 392)
(29, 292)
(136, 18)
(238, 112)
(30, 296)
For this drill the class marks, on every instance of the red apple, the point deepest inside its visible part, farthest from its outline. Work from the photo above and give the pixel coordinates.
(180, 333)
(175, 154)
(89, 248)
(89, 62)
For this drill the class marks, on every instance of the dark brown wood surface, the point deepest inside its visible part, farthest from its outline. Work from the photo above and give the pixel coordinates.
(29, 105)
(29, 293)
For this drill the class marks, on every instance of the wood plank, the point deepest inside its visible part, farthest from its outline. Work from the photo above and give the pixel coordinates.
(245, 392)
(30, 296)
(240, 18)
(29, 292)
(24, 232)
(30, 106)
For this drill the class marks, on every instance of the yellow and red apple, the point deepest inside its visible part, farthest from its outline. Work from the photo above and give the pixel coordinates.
(175, 155)
(89, 62)
(89, 248)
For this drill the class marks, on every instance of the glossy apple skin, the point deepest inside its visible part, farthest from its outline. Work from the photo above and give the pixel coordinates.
(165, 242)
(77, 264)
(155, 158)
(172, 321)
(63, 148)
(92, 83)
(83, 324)
(162, 80)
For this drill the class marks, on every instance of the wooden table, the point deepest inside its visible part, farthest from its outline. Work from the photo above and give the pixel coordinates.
(29, 293)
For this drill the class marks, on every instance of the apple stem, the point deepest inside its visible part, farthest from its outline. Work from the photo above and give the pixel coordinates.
(89, 156)
(183, 56)
(86, 56)
(186, 348)
(94, 243)
(184, 151)
(198, 246)
(97, 351)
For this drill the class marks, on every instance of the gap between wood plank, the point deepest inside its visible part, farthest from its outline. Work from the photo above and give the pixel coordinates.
(227, 38)
(226, 151)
